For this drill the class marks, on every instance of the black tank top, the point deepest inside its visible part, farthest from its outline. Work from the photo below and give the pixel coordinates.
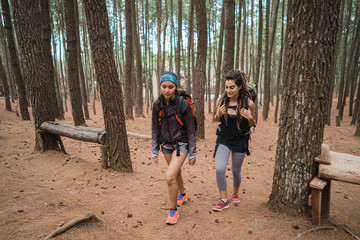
(231, 137)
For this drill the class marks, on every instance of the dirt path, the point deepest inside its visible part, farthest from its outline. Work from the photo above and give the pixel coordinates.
(39, 191)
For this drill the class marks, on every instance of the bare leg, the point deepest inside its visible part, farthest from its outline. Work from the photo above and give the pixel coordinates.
(173, 175)
(223, 195)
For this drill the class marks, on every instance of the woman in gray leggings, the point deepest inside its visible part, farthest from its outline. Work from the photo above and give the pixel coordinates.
(235, 111)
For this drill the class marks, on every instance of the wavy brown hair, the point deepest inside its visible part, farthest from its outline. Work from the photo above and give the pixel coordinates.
(240, 78)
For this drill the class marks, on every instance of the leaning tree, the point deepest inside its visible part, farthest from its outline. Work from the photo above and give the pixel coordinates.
(308, 69)
(110, 87)
(28, 34)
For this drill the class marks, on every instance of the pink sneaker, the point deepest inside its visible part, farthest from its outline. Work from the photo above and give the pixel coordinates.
(235, 198)
(221, 206)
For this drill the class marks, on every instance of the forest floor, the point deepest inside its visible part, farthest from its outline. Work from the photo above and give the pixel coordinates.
(41, 190)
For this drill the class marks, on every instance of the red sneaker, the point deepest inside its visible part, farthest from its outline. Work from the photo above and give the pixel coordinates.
(221, 206)
(173, 216)
(181, 199)
(235, 198)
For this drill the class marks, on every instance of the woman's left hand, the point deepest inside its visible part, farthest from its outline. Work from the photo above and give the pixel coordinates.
(246, 113)
(192, 162)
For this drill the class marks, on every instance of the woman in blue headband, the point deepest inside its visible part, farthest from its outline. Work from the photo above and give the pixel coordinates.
(176, 140)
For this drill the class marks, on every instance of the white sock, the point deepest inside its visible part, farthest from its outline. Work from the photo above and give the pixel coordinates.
(224, 200)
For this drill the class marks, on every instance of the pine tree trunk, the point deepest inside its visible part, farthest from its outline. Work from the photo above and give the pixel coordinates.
(333, 79)
(209, 62)
(237, 56)
(280, 64)
(80, 65)
(200, 68)
(178, 44)
(30, 46)
(14, 61)
(357, 104)
(129, 62)
(158, 57)
(6, 86)
(267, 63)
(352, 71)
(164, 38)
(57, 82)
(49, 67)
(190, 46)
(110, 87)
(357, 132)
(308, 69)
(137, 50)
(72, 64)
(242, 55)
(343, 60)
(229, 36)
(258, 58)
(171, 36)
(219, 56)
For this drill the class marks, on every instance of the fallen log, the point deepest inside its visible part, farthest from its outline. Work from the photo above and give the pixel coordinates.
(72, 223)
(86, 134)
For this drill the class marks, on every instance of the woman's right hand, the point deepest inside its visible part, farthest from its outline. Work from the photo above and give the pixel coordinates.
(156, 160)
(222, 110)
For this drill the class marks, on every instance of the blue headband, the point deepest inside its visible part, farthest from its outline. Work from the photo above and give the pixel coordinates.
(168, 77)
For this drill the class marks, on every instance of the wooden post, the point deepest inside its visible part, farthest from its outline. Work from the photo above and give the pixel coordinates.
(317, 185)
(338, 121)
(316, 206)
(325, 200)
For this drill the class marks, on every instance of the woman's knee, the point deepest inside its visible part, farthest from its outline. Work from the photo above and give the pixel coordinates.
(170, 178)
(220, 171)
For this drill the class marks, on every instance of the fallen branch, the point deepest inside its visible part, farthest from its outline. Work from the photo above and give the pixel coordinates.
(70, 224)
(350, 232)
(313, 230)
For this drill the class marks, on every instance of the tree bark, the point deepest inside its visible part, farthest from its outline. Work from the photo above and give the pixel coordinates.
(200, 68)
(158, 57)
(14, 61)
(307, 75)
(49, 67)
(110, 87)
(333, 79)
(30, 45)
(6, 86)
(237, 55)
(280, 64)
(164, 37)
(190, 46)
(219, 56)
(72, 64)
(266, 103)
(229, 36)
(137, 50)
(258, 58)
(80, 65)
(178, 44)
(242, 55)
(129, 60)
(343, 60)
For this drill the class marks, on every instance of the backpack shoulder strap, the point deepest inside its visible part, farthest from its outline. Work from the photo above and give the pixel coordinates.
(178, 116)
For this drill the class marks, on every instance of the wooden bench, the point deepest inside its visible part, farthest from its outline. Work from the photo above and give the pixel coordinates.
(332, 166)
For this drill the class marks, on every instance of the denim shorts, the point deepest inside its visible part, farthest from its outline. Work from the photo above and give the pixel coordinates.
(169, 148)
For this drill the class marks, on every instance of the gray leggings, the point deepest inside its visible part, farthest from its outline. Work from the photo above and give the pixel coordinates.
(221, 160)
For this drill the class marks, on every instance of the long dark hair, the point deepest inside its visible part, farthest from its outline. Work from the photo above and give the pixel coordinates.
(240, 79)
